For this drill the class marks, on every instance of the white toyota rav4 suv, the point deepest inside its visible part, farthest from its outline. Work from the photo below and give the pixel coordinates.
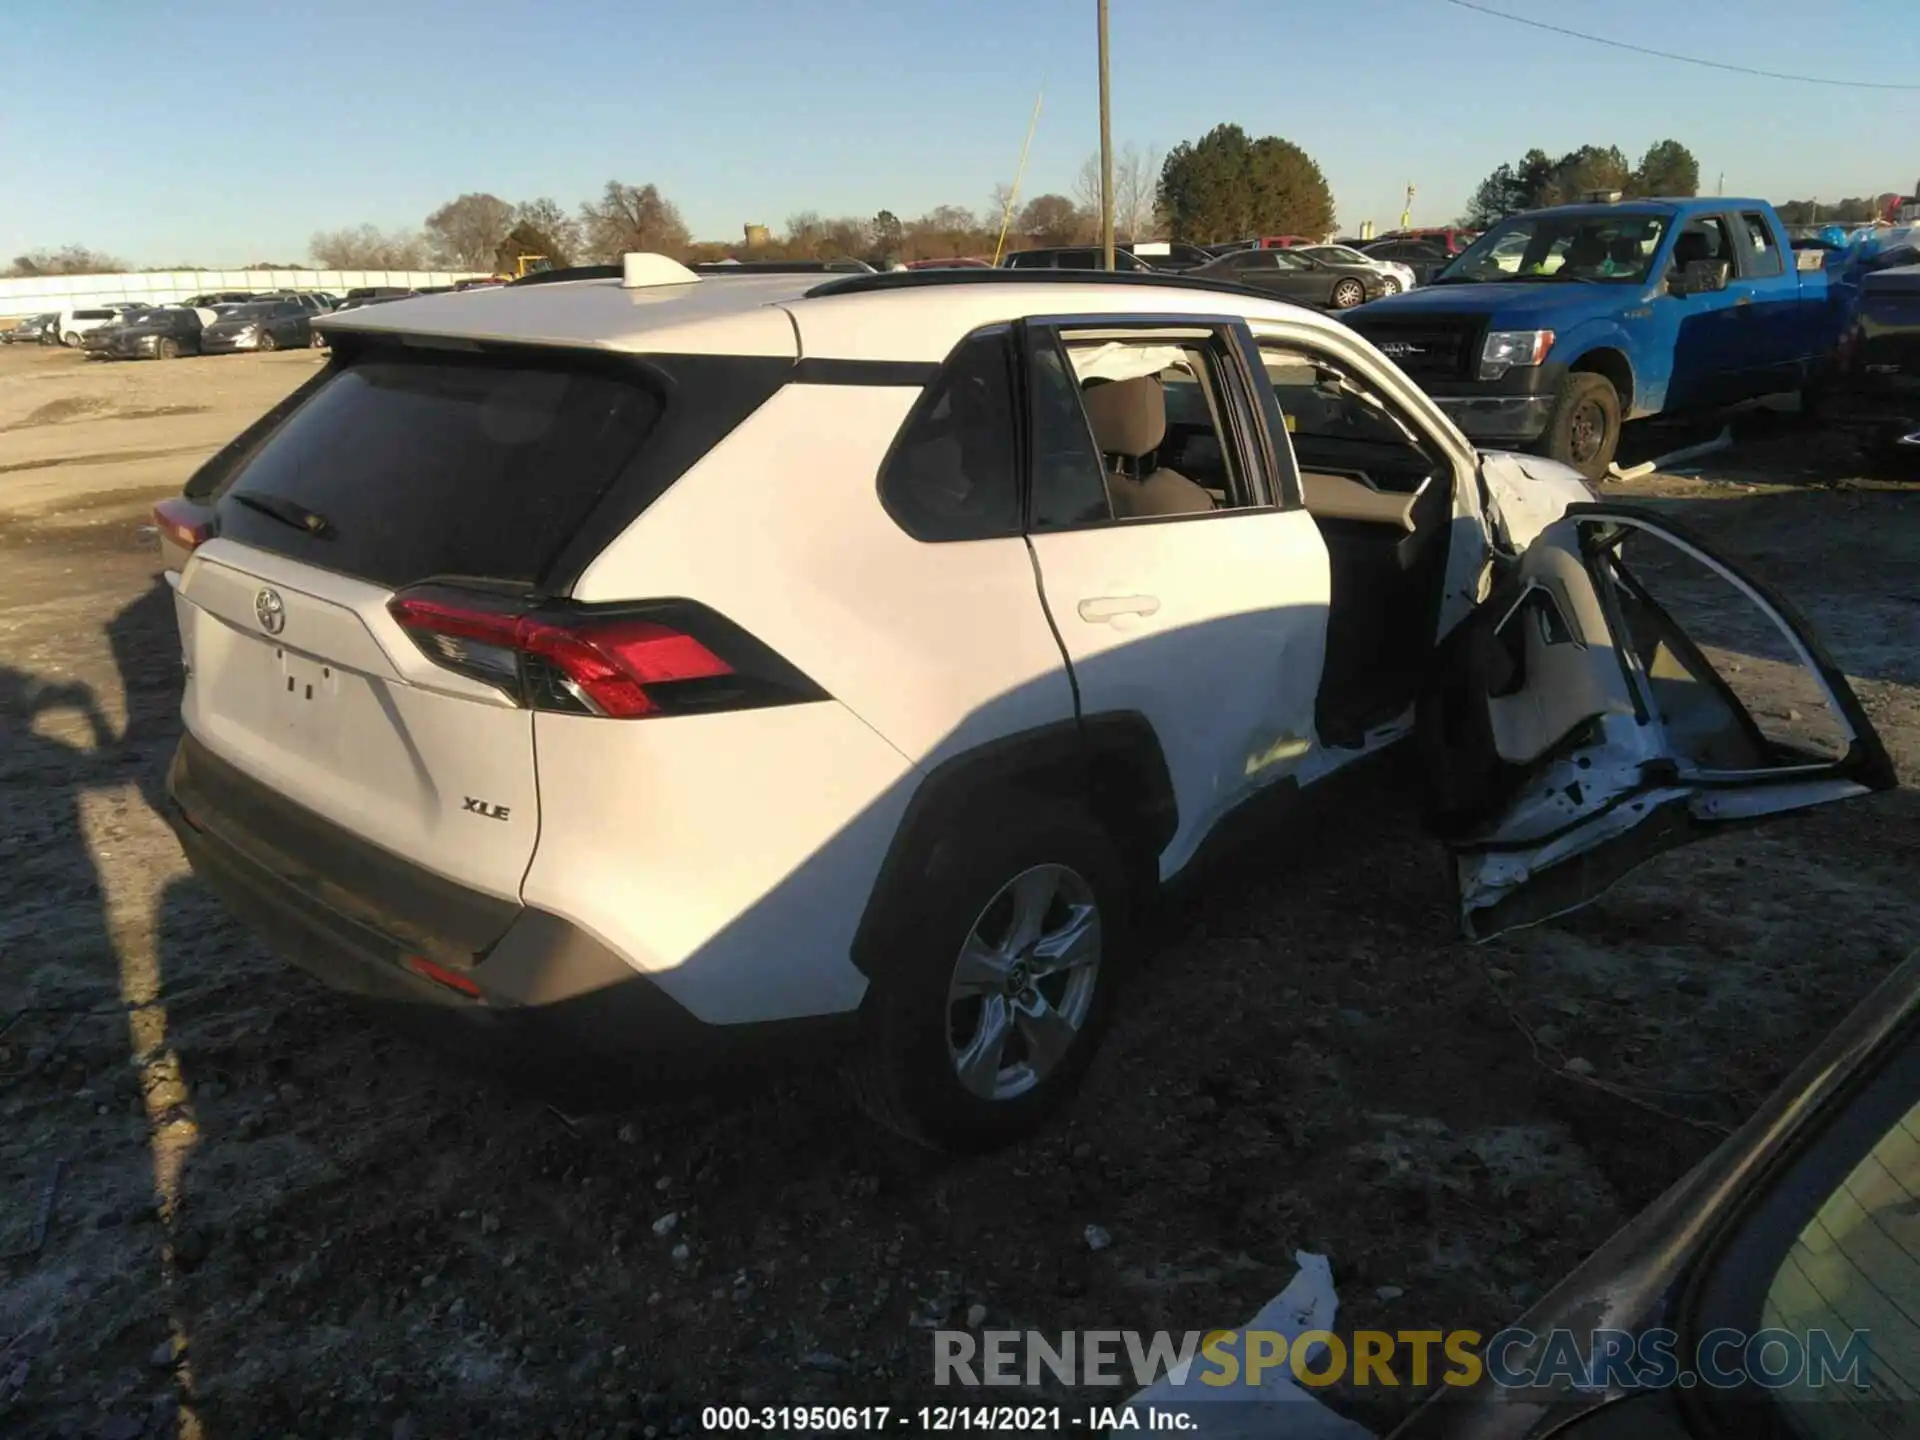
(633, 667)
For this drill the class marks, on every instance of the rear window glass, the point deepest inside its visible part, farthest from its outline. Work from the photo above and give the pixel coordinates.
(433, 467)
(95, 315)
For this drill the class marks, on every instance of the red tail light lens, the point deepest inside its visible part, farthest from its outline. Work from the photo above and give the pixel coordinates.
(184, 523)
(668, 658)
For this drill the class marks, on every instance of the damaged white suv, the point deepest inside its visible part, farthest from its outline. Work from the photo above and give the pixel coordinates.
(626, 668)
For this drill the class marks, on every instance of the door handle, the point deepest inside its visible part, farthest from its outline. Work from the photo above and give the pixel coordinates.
(1103, 608)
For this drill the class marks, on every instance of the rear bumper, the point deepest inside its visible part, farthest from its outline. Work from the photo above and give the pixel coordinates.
(549, 1004)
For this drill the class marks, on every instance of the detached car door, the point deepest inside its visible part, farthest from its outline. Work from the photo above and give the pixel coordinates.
(1624, 691)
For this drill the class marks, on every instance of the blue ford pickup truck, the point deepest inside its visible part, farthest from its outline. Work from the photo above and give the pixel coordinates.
(1557, 326)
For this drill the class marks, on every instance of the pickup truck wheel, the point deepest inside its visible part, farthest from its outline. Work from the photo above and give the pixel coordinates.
(1584, 429)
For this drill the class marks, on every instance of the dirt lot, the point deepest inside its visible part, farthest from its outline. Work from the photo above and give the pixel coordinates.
(270, 1219)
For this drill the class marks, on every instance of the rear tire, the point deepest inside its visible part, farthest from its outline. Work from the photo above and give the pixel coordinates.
(168, 348)
(267, 342)
(1348, 293)
(929, 1057)
(71, 340)
(1584, 428)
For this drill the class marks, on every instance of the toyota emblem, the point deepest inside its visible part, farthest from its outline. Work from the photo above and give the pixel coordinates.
(270, 610)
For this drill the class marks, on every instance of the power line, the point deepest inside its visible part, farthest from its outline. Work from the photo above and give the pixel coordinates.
(1683, 59)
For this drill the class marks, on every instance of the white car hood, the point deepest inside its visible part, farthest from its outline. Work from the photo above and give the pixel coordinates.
(1529, 493)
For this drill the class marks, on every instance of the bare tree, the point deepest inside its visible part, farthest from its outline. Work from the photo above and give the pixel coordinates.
(67, 260)
(1136, 176)
(368, 248)
(466, 233)
(631, 217)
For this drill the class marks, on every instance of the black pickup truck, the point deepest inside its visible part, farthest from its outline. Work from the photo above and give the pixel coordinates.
(1878, 366)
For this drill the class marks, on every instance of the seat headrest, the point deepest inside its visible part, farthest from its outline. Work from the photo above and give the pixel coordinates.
(1129, 417)
(1691, 246)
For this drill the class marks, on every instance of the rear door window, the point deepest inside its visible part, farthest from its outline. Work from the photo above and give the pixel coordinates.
(401, 469)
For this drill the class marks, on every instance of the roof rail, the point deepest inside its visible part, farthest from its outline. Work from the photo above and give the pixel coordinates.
(571, 272)
(923, 279)
(783, 267)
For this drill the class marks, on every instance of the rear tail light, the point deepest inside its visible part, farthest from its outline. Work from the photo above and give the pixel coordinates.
(184, 523)
(626, 663)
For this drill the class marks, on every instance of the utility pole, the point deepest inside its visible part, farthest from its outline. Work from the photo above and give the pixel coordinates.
(1106, 150)
(1721, 188)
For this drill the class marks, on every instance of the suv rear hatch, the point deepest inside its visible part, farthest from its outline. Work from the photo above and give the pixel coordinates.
(407, 468)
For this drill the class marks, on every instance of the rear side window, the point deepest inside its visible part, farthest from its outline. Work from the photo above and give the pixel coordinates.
(1763, 256)
(94, 315)
(401, 469)
(954, 474)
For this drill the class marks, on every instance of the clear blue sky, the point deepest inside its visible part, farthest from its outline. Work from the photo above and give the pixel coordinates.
(225, 131)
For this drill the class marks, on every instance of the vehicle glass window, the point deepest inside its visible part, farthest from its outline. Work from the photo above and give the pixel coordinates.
(954, 473)
(1159, 410)
(94, 315)
(1069, 487)
(1856, 1266)
(1722, 675)
(430, 466)
(1076, 260)
(1339, 425)
(1763, 256)
(1614, 248)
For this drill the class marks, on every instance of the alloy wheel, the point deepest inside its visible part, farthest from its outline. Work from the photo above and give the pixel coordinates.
(1347, 294)
(1023, 983)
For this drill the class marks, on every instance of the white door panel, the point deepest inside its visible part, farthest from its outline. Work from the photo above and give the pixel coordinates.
(1214, 629)
(1627, 692)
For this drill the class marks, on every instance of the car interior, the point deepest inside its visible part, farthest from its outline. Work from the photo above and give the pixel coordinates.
(1383, 504)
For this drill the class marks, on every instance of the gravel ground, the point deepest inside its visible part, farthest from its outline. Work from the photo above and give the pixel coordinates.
(272, 1219)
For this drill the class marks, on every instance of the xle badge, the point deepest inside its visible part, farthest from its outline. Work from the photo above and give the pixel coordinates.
(481, 807)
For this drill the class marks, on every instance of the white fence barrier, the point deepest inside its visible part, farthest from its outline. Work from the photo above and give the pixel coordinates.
(38, 294)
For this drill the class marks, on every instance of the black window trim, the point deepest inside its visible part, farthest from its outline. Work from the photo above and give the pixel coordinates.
(1750, 254)
(931, 378)
(1233, 376)
(1436, 455)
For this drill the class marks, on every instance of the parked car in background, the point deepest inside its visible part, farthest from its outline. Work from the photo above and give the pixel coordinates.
(219, 297)
(369, 292)
(950, 262)
(317, 334)
(1425, 258)
(165, 333)
(1170, 255)
(75, 323)
(1557, 326)
(1877, 371)
(459, 616)
(1071, 257)
(1280, 242)
(34, 330)
(1795, 1230)
(1450, 238)
(1293, 275)
(258, 325)
(1398, 277)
